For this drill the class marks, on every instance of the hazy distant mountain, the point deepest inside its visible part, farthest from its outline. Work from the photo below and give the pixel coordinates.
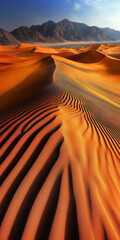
(45, 29)
(25, 34)
(64, 30)
(7, 38)
(112, 33)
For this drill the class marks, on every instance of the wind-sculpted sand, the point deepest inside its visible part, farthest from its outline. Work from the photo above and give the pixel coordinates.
(60, 143)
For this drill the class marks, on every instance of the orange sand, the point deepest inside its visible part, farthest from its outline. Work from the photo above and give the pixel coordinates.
(60, 142)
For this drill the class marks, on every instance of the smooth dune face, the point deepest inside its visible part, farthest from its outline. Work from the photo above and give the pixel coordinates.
(60, 143)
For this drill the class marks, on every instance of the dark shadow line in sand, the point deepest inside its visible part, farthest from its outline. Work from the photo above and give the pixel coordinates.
(22, 216)
(71, 230)
(13, 188)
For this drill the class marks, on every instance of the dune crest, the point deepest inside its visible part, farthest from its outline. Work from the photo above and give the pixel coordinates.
(60, 143)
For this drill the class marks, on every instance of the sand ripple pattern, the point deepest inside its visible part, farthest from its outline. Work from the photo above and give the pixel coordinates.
(59, 173)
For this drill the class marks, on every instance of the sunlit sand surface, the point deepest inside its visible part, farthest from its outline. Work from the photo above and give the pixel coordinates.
(60, 143)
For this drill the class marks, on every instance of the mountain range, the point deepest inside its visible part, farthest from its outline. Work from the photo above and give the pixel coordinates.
(62, 31)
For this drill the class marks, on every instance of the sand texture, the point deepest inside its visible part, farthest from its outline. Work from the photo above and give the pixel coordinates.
(60, 143)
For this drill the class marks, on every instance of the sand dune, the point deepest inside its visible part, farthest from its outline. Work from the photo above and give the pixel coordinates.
(111, 50)
(91, 56)
(60, 143)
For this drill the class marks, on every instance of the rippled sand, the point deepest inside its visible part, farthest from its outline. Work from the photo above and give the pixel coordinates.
(60, 142)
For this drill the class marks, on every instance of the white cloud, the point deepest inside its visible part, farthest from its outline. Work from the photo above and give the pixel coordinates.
(77, 6)
(102, 13)
(94, 3)
(91, 3)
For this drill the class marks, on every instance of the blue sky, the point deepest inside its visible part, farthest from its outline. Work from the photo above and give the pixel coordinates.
(101, 13)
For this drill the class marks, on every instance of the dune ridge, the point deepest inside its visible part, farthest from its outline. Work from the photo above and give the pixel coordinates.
(60, 143)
